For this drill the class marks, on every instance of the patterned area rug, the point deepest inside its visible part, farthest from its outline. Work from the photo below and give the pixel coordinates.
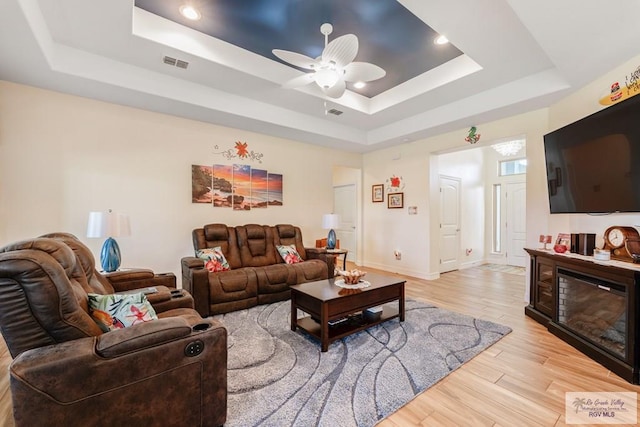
(280, 378)
(501, 268)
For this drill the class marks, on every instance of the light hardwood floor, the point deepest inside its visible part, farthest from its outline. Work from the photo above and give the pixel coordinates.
(519, 381)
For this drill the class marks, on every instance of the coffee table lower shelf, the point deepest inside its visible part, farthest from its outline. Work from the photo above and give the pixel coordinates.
(355, 323)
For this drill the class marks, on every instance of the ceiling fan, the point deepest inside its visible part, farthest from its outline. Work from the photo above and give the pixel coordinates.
(334, 67)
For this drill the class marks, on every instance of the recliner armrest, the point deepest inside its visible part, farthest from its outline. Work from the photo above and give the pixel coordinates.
(145, 335)
(135, 371)
(129, 274)
(139, 278)
(322, 254)
(192, 262)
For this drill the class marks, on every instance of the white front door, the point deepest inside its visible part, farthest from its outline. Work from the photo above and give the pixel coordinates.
(516, 228)
(449, 223)
(345, 205)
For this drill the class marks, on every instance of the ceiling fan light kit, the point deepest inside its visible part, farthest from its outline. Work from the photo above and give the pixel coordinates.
(334, 67)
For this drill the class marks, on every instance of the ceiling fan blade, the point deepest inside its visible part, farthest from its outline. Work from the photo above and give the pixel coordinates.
(337, 90)
(341, 50)
(297, 59)
(299, 81)
(363, 72)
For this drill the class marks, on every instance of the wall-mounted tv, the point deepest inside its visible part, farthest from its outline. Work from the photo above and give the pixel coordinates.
(593, 165)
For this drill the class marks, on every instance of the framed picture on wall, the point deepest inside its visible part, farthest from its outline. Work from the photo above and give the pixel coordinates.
(395, 200)
(377, 193)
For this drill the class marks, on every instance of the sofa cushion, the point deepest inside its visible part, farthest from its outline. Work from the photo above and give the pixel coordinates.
(289, 254)
(287, 234)
(117, 311)
(214, 259)
(310, 270)
(256, 244)
(219, 235)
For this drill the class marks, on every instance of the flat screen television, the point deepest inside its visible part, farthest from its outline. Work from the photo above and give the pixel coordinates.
(593, 165)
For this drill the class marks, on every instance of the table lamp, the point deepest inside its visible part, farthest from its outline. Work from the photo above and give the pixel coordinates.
(329, 222)
(109, 224)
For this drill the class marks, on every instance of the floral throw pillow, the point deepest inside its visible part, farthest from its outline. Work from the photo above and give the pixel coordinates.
(289, 253)
(117, 311)
(214, 259)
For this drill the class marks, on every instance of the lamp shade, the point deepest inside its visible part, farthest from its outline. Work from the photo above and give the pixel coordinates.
(330, 221)
(108, 224)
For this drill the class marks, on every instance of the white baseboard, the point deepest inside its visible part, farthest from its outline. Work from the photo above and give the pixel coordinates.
(407, 272)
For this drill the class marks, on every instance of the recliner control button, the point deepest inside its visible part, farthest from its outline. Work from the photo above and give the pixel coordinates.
(194, 348)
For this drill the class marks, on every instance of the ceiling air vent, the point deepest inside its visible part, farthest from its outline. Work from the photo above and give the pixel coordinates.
(334, 112)
(175, 62)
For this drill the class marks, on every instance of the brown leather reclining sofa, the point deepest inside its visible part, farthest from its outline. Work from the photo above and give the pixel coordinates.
(258, 274)
(68, 372)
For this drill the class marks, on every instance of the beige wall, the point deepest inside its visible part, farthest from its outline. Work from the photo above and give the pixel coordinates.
(63, 156)
(417, 235)
(580, 104)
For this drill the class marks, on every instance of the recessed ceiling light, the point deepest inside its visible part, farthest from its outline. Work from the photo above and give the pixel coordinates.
(190, 12)
(359, 85)
(441, 40)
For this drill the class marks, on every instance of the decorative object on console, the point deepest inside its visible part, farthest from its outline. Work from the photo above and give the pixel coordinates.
(615, 239)
(602, 254)
(395, 200)
(545, 240)
(632, 245)
(329, 222)
(583, 243)
(563, 243)
(109, 224)
(509, 148)
(473, 136)
(560, 248)
(377, 193)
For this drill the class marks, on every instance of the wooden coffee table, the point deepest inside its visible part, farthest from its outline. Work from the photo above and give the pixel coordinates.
(327, 302)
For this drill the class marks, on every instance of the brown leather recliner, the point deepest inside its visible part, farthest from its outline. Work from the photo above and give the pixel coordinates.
(164, 297)
(66, 371)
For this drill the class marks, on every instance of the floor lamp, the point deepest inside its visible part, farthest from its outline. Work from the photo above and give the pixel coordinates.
(109, 224)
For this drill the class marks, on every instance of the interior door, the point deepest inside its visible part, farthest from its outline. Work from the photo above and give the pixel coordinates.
(516, 231)
(345, 205)
(449, 223)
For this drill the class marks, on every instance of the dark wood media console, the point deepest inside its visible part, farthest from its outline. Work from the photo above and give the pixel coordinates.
(591, 305)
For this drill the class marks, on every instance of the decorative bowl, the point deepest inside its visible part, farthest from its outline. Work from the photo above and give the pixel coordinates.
(560, 248)
(352, 277)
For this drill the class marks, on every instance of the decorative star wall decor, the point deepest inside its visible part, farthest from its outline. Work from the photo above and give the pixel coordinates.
(240, 151)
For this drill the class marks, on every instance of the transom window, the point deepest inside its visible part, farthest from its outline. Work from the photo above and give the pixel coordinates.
(512, 167)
